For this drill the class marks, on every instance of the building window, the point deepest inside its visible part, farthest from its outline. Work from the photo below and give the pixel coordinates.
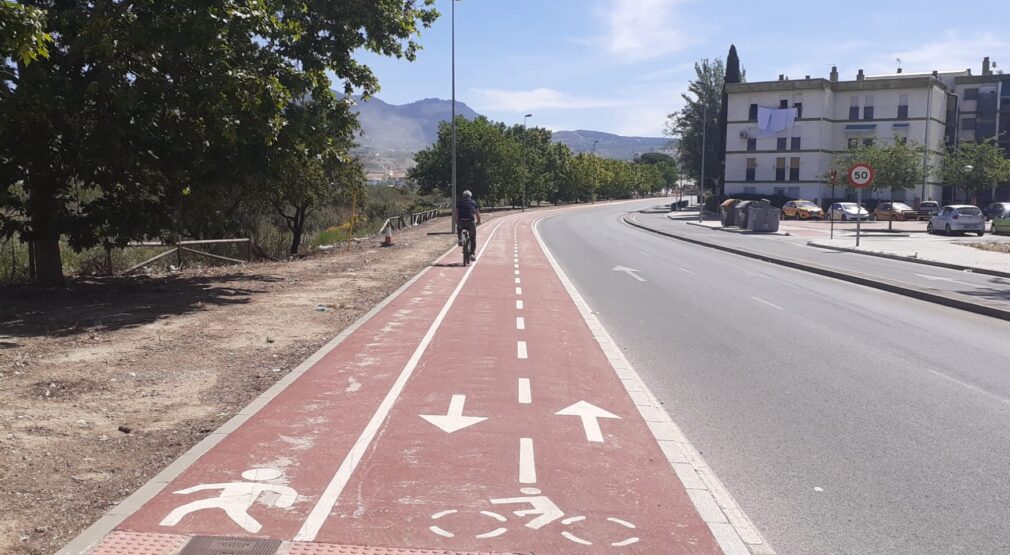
(784, 103)
(781, 143)
(752, 145)
(749, 190)
(799, 109)
(752, 114)
(780, 169)
(971, 94)
(794, 192)
(795, 143)
(854, 108)
(968, 124)
(868, 142)
(853, 143)
(868, 108)
(794, 169)
(902, 106)
(751, 168)
(780, 191)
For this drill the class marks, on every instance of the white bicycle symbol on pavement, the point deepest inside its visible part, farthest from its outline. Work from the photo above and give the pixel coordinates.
(545, 509)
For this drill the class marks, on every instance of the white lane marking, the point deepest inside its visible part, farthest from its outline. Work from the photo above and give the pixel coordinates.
(519, 305)
(453, 420)
(949, 280)
(525, 396)
(629, 271)
(643, 253)
(686, 271)
(527, 462)
(972, 387)
(517, 269)
(519, 290)
(767, 303)
(520, 323)
(521, 350)
(518, 281)
(590, 415)
(321, 511)
(664, 429)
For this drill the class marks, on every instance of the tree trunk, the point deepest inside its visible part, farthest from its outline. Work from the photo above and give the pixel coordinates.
(48, 264)
(297, 229)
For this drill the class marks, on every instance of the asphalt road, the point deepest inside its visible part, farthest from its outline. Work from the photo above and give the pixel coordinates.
(843, 419)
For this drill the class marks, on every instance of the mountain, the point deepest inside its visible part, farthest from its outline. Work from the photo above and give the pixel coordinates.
(391, 134)
(406, 128)
(609, 145)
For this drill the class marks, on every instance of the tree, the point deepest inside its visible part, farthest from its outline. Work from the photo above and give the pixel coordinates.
(665, 164)
(733, 75)
(975, 166)
(896, 165)
(22, 33)
(141, 107)
(698, 119)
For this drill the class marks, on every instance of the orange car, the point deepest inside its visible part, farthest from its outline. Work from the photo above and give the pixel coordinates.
(802, 210)
(898, 211)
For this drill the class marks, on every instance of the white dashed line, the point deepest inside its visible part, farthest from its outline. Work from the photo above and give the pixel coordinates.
(767, 303)
(518, 281)
(517, 271)
(527, 463)
(685, 270)
(525, 397)
(521, 350)
(519, 305)
(520, 323)
(519, 290)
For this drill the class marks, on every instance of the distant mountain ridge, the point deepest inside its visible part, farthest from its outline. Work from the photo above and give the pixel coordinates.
(391, 134)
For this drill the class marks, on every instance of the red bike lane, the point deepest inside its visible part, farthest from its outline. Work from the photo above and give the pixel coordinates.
(474, 412)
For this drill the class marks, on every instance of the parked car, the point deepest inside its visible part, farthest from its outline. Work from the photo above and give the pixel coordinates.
(898, 211)
(957, 218)
(847, 211)
(1001, 222)
(801, 210)
(995, 209)
(928, 209)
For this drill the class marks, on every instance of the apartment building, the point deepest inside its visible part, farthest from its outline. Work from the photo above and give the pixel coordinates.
(790, 151)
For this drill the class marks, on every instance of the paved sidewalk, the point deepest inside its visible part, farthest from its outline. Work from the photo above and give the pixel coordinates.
(928, 249)
(479, 409)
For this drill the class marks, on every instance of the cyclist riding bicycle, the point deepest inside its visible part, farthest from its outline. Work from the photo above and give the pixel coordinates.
(467, 217)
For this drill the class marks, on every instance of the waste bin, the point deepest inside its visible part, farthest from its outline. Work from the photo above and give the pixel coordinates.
(727, 213)
(763, 216)
(742, 213)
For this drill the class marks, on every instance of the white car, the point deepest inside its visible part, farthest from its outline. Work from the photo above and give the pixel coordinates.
(847, 211)
(957, 218)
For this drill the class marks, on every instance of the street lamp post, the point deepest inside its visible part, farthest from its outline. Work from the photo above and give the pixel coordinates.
(453, 18)
(701, 186)
(526, 117)
(967, 172)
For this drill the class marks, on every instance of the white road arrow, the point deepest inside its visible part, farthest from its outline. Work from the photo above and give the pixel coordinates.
(590, 415)
(628, 271)
(453, 420)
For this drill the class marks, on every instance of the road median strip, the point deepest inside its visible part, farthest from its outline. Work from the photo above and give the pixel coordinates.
(867, 281)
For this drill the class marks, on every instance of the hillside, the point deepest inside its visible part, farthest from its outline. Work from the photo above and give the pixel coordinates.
(609, 145)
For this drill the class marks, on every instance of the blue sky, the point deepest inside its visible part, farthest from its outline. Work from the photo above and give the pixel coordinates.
(620, 65)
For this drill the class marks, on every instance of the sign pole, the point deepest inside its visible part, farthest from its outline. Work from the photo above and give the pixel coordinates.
(859, 213)
(831, 216)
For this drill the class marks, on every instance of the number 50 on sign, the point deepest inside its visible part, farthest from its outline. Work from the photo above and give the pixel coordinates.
(861, 176)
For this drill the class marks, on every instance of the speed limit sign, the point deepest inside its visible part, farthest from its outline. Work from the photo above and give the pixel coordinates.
(861, 176)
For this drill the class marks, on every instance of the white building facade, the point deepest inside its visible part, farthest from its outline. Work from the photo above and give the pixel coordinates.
(832, 116)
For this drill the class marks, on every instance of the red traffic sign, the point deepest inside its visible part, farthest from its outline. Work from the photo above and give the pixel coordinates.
(861, 176)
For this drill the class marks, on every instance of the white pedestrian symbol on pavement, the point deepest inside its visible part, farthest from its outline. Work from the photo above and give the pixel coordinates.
(237, 498)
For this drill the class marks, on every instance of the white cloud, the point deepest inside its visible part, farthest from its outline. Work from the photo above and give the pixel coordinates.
(537, 99)
(953, 51)
(643, 29)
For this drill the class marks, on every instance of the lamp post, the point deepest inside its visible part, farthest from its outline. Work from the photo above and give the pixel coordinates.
(453, 20)
(701, 186)
(526, 117)
(967, 172)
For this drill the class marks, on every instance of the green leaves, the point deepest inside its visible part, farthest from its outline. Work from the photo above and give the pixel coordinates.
(975, 166)
(22, 33)
(897, 165)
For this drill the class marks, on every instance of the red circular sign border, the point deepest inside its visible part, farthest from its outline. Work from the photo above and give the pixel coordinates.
(868, 183)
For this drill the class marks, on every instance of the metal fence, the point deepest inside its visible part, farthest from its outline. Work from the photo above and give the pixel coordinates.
(184, 247)
(404, 221)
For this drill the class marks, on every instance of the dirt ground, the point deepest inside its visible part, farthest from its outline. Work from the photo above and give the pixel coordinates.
(104, 383)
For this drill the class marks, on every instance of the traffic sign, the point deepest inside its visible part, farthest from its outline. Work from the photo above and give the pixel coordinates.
(861, 176)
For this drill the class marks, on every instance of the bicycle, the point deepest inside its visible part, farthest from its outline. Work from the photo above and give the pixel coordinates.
(467, 255)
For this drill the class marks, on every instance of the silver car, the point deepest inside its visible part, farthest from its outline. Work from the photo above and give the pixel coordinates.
(957, 218)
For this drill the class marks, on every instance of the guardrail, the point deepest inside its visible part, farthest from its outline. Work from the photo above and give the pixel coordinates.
(183, 247)
(408, 220)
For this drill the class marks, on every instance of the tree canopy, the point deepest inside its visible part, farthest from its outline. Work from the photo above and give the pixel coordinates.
(698, 122)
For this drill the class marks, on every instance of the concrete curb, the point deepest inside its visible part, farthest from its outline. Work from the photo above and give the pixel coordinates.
(973, 269)
(741, 231)
(850, 278)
